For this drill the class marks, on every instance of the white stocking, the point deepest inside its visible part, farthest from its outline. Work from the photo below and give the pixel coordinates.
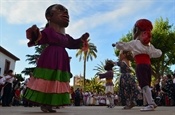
(148, 95)
(144, 98)
(112, 100)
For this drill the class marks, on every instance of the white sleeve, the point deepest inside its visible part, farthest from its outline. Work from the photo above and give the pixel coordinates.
(7, 77)
(125, 45)
(154, 53)
(2, 80)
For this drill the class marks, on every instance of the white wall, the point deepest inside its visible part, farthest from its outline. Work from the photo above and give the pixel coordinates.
(2, 63)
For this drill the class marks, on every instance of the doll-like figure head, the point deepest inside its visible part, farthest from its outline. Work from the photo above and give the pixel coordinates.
(109, 64)
(57, 14)
(142, 30)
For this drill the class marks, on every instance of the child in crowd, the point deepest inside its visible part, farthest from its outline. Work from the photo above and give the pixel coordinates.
(142, 51)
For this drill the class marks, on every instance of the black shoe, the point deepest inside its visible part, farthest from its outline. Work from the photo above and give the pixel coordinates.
(44, 109)
(49, 108)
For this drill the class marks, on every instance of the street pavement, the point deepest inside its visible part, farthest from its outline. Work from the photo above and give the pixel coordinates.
(87, 110)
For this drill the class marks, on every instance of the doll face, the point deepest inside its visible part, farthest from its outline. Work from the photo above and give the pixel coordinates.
(60, 16)
(145, 37)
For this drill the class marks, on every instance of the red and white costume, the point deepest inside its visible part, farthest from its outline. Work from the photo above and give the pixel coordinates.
(142, 51)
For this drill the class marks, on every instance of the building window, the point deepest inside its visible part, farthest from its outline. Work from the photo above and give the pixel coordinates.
(7, 66)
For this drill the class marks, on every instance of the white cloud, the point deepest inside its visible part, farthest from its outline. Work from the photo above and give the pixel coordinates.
(23, 41)
(114, 18)
(24, 11)
(29, 11)
(84, 17)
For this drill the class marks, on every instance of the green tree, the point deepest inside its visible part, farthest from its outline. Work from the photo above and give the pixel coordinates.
(86, 55)
(163, 38)
(95, 85)
(99, 68)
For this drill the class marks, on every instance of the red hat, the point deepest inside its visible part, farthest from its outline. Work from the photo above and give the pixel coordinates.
(144, 25)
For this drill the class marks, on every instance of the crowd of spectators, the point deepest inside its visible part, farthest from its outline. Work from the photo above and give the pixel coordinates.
(163, 92)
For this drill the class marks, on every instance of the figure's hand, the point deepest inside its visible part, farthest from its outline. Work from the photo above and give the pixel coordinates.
(85, 36)
(114, 44)
(33, 34)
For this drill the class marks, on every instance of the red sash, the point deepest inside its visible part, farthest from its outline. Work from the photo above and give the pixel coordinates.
(142, 59)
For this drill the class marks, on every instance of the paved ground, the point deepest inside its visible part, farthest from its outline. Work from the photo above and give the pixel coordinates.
(86, 110)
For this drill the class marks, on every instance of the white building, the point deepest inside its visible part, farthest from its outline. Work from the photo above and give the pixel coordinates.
(7, 61)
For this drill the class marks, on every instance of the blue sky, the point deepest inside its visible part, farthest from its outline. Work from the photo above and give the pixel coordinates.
(106, 21)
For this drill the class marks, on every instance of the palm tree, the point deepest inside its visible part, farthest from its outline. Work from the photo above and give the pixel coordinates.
(90, 53)
(100, 68)
(95, 85)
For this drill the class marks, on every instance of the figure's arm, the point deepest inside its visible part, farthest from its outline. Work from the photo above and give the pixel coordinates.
(108, 74)
(125, 45)
(78, 43)
(46, 36)
(154, 53)
(67, 41)
(74, 43)
(49, 36)
(102, 75)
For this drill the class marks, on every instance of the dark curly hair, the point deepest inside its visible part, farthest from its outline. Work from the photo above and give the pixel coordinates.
(109, 64)
(48, 10)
